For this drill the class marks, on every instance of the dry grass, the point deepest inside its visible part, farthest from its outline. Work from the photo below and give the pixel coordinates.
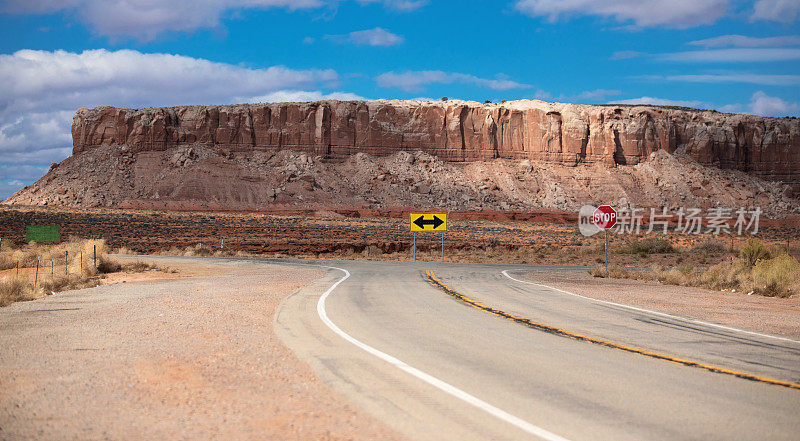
(16, 288)
(645, 246)
(754, 271)
(65, 266)
(199, 250)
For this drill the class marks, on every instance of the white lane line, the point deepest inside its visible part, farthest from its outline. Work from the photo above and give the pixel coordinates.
(452, 390)
(663, 314)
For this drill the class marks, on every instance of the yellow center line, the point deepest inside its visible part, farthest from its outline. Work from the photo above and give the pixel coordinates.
(556, 331)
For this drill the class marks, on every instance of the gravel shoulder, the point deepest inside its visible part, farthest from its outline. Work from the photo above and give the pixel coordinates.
(192, 358)
(757, 313)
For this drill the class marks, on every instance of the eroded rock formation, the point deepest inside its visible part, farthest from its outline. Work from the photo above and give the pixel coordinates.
(460, 131)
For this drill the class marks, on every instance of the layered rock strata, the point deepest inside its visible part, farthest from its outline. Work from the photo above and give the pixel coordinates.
(460, 131)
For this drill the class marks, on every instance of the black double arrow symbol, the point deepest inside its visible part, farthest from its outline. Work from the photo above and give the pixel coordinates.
(422, 222)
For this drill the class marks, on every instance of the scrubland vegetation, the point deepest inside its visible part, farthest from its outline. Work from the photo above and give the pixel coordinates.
(35, 270)
(753, 269)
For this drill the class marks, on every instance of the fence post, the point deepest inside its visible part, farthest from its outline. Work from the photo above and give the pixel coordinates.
(66, 263)
(17, 266)
(52, 269)
(36, 278)
(81, 262)
(94, 248)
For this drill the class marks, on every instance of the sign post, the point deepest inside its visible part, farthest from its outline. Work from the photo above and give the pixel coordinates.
(605, 217)
(414, 248)
(427, 222)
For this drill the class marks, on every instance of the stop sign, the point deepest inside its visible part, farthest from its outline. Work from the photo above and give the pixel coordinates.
(605, 217)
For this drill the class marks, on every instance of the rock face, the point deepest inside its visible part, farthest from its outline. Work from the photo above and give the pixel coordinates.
(459, 131)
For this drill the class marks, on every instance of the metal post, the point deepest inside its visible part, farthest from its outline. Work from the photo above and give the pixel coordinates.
(442, 246)
(81, 262)
(414, 247)
(36, 278)
(94, 248)
(605, 233)
(52, 269)
(17, 266)
(66, 263)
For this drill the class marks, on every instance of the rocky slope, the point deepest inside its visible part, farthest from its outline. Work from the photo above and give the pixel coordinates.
(206, 178)
(461, 131)
(455, 155)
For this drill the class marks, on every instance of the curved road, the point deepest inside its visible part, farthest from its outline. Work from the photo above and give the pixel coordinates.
(436, 367)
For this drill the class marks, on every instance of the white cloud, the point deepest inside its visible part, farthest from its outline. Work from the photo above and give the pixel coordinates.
(772, 80)
(415, 81)
(9, 187)
(285, 96)
(369, 37)
(648, 100)
(147, 19)
(597, 94)
(43, 89)
(739, 55)
(643, 13)
(399, 5)
(542, 95)
(744, 41)
(765, 105)
(20, 173)
(760, 104)
(588, 95)
(786, 11)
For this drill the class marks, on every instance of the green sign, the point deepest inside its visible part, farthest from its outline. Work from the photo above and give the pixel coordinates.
(43, 233)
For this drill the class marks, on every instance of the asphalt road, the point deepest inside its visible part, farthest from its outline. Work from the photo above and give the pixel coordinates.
(435, 367)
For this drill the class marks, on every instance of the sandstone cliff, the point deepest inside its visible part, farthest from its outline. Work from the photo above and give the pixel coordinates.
(460, 131)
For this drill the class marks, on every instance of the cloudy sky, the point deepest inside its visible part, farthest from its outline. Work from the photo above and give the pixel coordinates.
(59, 55)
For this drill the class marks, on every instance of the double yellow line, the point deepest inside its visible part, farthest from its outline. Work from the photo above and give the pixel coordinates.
(556, 331)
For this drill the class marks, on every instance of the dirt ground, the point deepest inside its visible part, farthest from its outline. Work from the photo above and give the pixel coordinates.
(532, 238)
(772, 315)
(167, 359)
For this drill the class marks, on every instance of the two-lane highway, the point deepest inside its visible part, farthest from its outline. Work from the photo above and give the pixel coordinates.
(437, 367)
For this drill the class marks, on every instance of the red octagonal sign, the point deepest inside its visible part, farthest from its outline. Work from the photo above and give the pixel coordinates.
(605, 217)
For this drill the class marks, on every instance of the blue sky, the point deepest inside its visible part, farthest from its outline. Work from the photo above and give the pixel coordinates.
(56, 56)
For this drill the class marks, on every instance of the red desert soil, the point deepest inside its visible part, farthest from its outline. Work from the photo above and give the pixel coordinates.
(534, 237)
(188, 359)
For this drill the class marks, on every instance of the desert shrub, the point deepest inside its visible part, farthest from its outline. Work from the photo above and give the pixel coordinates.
(199, 250)
(753, 251)
(125, 250)
(710, 247)
(137, 266)
(107, 265)
(649, 245)
(598, 272)
(66, 283)
(16, 289)
(778, 277)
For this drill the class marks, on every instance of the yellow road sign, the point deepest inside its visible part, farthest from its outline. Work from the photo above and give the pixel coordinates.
(428, 222)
